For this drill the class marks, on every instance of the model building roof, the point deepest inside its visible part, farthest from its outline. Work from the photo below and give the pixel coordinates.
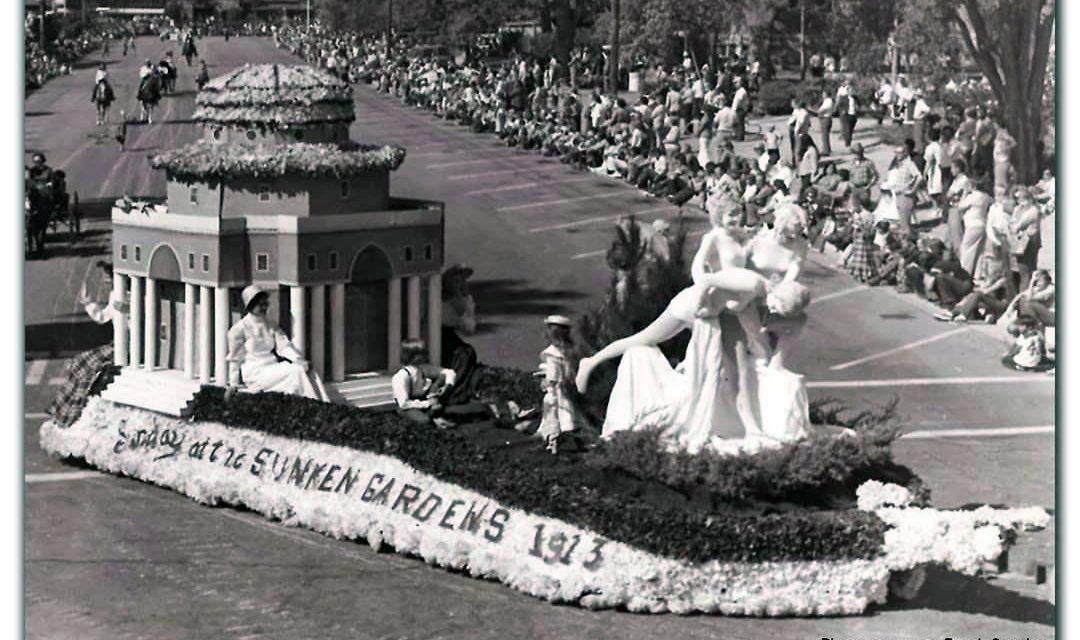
(274, 96)
(204, 160)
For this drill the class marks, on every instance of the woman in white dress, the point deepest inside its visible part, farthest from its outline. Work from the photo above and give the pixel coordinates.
(933, 172)
(263, 356)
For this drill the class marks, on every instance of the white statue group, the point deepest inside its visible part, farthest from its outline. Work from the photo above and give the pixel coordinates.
(744, 308)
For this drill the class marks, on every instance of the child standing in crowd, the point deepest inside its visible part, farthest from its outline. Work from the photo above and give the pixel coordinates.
(557, 370)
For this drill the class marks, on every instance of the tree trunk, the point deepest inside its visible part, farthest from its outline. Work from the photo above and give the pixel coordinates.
(1024, 122)
(565, 26)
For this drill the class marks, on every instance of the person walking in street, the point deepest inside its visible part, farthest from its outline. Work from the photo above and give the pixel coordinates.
(847, 106)
(102, 96)
(203, 76)
(188, 50)
(149, 93)
(798, 126)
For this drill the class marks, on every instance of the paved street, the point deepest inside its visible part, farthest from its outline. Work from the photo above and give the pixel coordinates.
(113, 558)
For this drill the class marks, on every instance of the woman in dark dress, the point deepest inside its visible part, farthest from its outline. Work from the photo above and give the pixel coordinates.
(459, 318)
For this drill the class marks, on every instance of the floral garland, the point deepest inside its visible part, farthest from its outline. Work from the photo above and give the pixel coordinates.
(204, 160)
(352, 494)
(275, 116)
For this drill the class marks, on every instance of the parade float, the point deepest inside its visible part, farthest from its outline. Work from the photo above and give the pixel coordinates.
(822, 524)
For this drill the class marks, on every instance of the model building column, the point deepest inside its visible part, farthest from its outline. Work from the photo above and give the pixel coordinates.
(435, 318)
(298, 322)
(189, 331)
(135, 325)
(337, 332)
(393, 326)
(151, 337)
(206, 332)
(317, 354)
(221, 335)
(414, 308)
(120, 344)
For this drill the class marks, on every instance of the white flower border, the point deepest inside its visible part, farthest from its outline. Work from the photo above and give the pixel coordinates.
(342, 489)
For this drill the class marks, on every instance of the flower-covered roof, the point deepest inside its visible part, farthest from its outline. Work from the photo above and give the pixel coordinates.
(274, 96)
(204, 160)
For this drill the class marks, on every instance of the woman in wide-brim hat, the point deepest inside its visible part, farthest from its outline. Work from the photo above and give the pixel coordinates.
(264, 357)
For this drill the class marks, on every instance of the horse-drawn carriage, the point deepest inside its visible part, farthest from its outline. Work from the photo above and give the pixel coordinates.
(47, 206)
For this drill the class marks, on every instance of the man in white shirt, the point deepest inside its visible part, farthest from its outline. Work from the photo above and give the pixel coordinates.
(919, 111)
(798, 124)
(422, 391)
(740, 102)
(848, 108)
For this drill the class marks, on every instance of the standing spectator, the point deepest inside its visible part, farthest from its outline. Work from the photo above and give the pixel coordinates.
(808, 161)
(974, 208)
(798, 126)
(902, 181)
(1026, 239)
(824, 115)
(1003, 149)
(919, 111)
(740, 103)
(933, 172)
(863, 172)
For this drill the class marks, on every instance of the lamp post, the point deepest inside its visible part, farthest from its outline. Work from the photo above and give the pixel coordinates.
(613, 63)
(41, 5)
(309, 15)
(389, 26)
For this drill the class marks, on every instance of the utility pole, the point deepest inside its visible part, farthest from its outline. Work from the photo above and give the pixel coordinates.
(389, 27)
(309, 15)
(41, 5)
(802, 39)
(613, 62)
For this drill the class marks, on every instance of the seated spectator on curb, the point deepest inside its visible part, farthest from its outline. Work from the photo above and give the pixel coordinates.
(1037, 300)
(988, 294)
(422, 391)
(951, 282)
(1028, 352)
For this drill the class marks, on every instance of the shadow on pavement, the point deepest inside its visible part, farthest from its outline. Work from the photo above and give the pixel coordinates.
(63, 339)
(516, 298)
(951, 591)
(37, 114)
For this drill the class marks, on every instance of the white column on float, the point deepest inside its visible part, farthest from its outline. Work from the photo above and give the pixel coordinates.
(189, 331)
(150, 339)
(317, 353)
(299, 322)
(120, 328)
(435, 318)
(337, 332)
(393, 326)
(221, 335)
(136, 322)
(206, 332)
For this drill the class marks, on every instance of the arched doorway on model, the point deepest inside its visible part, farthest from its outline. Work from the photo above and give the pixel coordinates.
(366, 312)
(164, 272)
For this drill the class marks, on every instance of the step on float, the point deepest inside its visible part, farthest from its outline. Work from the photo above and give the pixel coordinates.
(604, 560)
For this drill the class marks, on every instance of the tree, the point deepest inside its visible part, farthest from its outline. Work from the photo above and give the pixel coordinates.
(1010, 43)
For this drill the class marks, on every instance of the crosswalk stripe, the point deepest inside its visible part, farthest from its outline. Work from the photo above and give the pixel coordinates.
(33, 415)
(548, 203)
(998, 432)
(36, 372)
(58, 381)
(34, 478)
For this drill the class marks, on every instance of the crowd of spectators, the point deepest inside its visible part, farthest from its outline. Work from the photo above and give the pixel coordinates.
(61, 54)
(678, 142)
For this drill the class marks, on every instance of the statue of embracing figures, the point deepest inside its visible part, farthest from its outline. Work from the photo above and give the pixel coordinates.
(744, 310)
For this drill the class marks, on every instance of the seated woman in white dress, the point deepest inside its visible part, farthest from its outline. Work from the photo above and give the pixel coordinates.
(263, 356)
